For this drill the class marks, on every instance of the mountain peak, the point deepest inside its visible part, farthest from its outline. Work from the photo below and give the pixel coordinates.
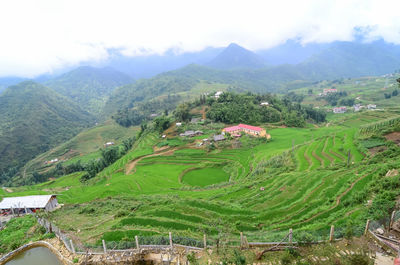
(236, 57)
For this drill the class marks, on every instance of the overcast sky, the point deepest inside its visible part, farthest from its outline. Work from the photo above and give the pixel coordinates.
(40, 36)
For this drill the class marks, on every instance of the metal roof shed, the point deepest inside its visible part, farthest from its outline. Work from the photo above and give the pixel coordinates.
(47, 202)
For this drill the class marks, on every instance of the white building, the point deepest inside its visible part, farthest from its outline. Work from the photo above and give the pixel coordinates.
(371, 106)
(358, 107)
(108, 144)
(32, 203)
(264, 103)
(219, 93)
(339, 110)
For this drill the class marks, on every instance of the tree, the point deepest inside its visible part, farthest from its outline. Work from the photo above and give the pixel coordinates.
(182, 112)
(110, 154)
(161, 123)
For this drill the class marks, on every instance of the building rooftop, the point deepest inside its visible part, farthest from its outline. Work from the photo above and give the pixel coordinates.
(35, 201)
(249, 127)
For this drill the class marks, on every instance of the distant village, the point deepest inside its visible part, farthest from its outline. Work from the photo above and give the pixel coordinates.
(344, 109)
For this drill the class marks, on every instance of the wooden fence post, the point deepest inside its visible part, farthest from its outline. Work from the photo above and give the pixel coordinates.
(392, 219)
(104, 246)
(72, 246)
(205, 241)
(170, 240)
(366, 227)
(331, 235)
(290, 236)
(241, 239)
(137, 242)
(245, 242)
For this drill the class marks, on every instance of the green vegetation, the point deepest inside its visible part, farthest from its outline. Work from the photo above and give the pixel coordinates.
(20, 231)
(257, 187)
(89, 87)
(306, 178)
(241, 108)
(83, 147)
(34, 119)
(205, 176)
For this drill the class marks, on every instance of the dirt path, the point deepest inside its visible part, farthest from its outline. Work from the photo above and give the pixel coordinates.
(132, 165)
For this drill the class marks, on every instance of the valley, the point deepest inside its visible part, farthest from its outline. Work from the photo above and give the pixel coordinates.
(231, 148)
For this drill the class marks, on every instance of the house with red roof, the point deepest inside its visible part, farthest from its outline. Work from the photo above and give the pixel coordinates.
(235, 131)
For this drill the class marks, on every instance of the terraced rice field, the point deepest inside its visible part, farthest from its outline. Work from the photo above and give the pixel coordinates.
(191, 191)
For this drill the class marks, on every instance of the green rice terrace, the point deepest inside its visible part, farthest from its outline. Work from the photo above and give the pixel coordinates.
(303, 178)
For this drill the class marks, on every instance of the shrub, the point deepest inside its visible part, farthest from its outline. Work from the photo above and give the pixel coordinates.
(305, 238)
(121, 213)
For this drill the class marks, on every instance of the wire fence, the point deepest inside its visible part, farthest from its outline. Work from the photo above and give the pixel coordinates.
(244, 240)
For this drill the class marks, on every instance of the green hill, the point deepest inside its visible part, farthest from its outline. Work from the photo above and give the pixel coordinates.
(33, 119)
(84, 146)
(88, 86)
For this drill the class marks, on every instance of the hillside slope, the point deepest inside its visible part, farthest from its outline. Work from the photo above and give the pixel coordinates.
(35, 118)
(89, 86)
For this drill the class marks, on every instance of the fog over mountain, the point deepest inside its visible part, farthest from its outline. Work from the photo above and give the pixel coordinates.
(48, 36)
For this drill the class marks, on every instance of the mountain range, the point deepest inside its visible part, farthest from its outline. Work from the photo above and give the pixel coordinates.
(40, 113)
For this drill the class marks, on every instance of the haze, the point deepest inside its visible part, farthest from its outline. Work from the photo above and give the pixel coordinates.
(42, 36)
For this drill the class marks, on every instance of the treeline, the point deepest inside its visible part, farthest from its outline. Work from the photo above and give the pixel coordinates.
(142, 112)
(338, 99)
(108, 156)
(395, 93)
(246, 108)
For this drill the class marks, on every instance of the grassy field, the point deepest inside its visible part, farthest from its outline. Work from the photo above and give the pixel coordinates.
(84, 147)
(298, 180)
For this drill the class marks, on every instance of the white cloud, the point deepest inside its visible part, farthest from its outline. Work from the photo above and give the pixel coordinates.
(43, 35)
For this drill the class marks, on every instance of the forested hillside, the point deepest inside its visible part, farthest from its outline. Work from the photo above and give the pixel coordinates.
(33, 119)
(129, 95)
(88, 86)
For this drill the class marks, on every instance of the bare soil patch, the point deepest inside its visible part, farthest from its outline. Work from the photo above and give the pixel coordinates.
(394, 137)
(374, 150)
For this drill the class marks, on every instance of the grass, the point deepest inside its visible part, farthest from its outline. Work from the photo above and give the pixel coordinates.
(20, 231)
(205, 176)
(192, 191)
